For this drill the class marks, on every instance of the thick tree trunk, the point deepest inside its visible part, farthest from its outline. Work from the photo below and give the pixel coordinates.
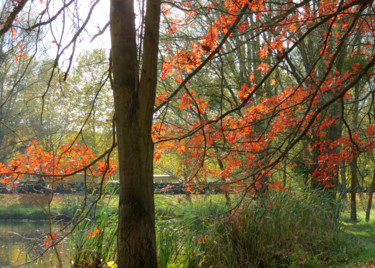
(134, 102)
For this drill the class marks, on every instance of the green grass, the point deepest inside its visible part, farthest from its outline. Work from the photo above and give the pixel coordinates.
(35, 206)
(22, 213)
(279, 230)
(360, 236)
(93, 242)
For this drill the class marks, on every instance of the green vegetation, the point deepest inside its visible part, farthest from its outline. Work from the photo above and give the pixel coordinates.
(35, 206)
(278, 230)
(20, 213)
(361, 234)
(94, 239)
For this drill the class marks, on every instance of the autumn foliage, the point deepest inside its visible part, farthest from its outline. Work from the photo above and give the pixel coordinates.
(250, 134)
(69, 160)
(242, 142)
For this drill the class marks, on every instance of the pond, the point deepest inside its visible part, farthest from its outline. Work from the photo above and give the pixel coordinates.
(19, 239)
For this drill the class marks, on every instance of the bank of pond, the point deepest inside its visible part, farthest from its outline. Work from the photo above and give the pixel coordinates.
(78, 187)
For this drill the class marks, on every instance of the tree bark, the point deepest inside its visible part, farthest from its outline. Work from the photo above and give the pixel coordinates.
(343, 180)
(134, 101)
(353, 163)
(353, 190)
(370, 192)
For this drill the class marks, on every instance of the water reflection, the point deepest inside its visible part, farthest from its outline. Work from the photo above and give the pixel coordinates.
(19, 238)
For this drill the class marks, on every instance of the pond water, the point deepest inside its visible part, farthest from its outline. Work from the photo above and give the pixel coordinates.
(18, 239)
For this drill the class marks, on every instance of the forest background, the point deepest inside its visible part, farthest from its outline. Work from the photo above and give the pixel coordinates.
(259, 100)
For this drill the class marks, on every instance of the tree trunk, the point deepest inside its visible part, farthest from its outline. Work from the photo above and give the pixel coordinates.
(134, 102)
(343, 180)
(353, 163)
(284, 173)
(370, 192)
(353, 190)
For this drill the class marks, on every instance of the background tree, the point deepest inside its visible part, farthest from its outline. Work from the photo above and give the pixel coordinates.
(262, 123)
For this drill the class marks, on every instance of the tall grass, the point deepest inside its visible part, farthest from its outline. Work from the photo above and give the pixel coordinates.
(184, 230)
(278, 230)
(93, 241)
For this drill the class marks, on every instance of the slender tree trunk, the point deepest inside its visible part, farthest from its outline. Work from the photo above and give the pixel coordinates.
(370, 192)
(353, 190)
(134, 102)
(343, 180)
(353, 163)
(226, 193)
(284, 174)
(221, 165)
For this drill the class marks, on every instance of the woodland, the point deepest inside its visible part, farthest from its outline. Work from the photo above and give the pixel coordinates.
(262, 111)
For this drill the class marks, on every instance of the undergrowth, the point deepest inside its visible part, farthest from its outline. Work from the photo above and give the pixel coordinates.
(279, 229)
(93, 241)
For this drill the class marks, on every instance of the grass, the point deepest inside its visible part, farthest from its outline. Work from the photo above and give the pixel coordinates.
(279, 230)
(35, 206)
(361, 236)
(93, 242)
(20, 213)
(32, 206)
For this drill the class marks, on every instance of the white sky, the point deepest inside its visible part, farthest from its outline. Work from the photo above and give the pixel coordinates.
(98, 20)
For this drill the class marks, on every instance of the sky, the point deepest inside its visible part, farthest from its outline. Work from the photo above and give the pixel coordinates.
(98, 20)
